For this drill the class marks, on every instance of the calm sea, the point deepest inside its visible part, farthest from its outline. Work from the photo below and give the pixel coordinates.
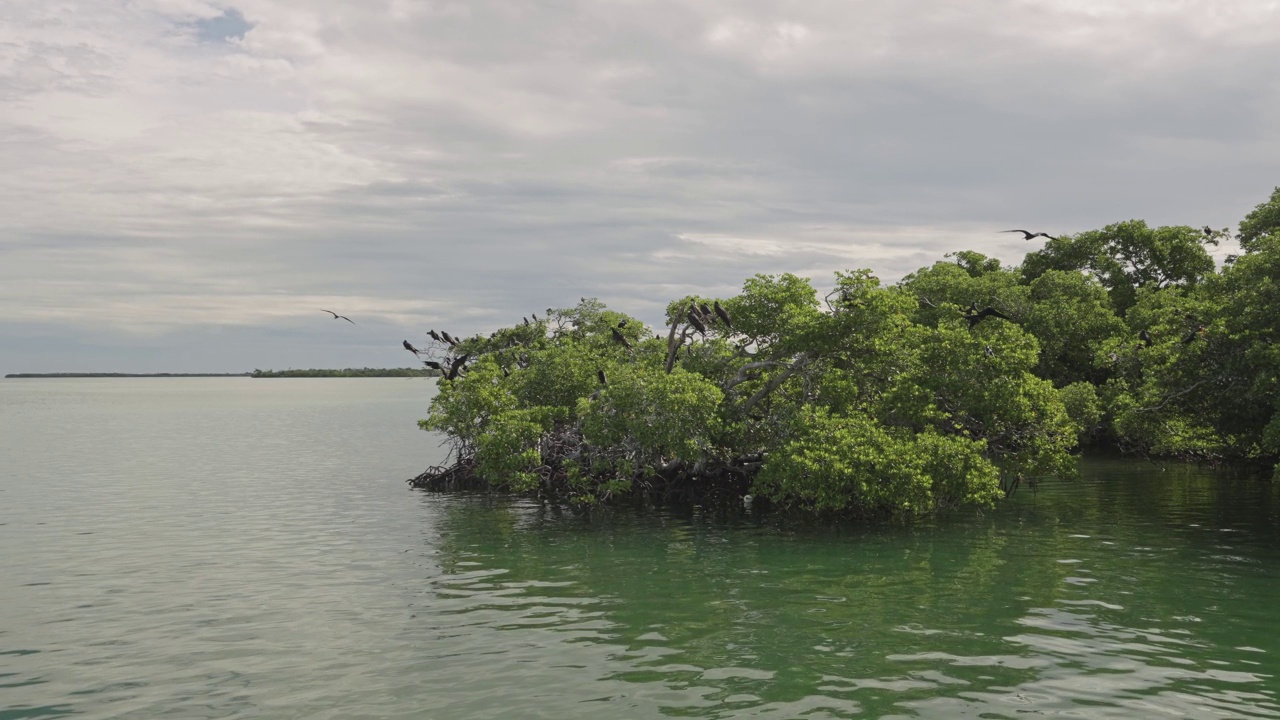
(214, 548)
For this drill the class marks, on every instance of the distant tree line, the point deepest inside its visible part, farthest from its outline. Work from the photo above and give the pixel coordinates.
(955, 386)
(346, 372)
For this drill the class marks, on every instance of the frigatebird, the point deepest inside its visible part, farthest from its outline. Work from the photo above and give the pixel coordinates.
(1028, 235)
(620, 338)
(1193, 335)
(1145, 337)
(696, 322)
(435, 336)
(448, 338)
(433, 365)
(976, 316)
(600, 375)
(336, 316)
(704, 311)
(455, 367)
(723, 315)
(410, 347)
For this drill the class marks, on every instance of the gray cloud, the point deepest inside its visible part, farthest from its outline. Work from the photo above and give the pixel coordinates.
(178, 169)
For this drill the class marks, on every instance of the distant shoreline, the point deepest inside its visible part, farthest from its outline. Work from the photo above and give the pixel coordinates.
(26, 376)
(347, 373)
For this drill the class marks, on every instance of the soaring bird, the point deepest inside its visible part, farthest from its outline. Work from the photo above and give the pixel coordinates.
(410, 348)
(723, 315)
(336, 316)
(620, 338)
(976, 316)
(603, 380)
(456, 366)
(1028, 235)
(696, 322)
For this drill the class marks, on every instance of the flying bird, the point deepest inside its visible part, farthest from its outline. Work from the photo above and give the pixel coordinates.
(455, 367)
(336, 316)
(1028, 235)
(723, 315)
(620, 338)
(410, 347)
(976, 316)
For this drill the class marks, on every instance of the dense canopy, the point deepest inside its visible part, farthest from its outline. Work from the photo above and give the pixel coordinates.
(955, 386)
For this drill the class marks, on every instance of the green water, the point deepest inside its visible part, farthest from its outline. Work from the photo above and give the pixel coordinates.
(209, 548)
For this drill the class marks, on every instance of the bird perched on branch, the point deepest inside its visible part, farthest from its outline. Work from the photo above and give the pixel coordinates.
(1028, 235)
(696, 322)
(435, 336)
(600, 375)
(723, 315)
(336, 316)
(620, 338)
(704, 310)
(1145, 337)
(456, 367)
(448, 338)
(433, 365)
(976, 316)
(410, 347)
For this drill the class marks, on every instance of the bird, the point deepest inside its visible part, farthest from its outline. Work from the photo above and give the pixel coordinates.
(696, 322)
(1193, 335)
(336, 316)
(600, 375)
(704, 310)
(1028, 235)
(535, 316)
(448, 338)
(435, 336)
(433, 365)
(622, 323)
(723, 314)
(620, 338)
(1145, 337)
(693, 308)
(456, 366)
(526, 321)
(976, 316)
(1208, 230)
(410, 347)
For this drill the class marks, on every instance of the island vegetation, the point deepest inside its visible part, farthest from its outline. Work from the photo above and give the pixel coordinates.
(120, 375)
(957, 385)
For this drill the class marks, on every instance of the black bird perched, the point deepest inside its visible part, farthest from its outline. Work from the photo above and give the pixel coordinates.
(535, 316)
(336, 316)
(619, 337)
(1193, 335)
(603, 380)
(696, 322)
(526, 320)
(622, 323)
(976, 317)
(455, 367)
(1028, 235)
(693, 308)
(1145, 337)
(433, 365)
(448, 338)
(723, 314)
(410, 347)
(1208, 230)
(435, 336)
(704, 310)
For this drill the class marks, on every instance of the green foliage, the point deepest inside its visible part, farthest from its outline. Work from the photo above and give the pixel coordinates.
(1126, 257)
(886, 401)
(1263, 221)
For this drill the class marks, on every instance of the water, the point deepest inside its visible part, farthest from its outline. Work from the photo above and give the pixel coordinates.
(208, 548)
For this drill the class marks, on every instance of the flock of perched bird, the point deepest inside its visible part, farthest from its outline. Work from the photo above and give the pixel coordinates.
(699, 316)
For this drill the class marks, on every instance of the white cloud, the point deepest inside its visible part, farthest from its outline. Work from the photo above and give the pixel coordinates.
(460, 162)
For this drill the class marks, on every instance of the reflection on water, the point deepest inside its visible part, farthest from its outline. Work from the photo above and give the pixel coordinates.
(221, 548)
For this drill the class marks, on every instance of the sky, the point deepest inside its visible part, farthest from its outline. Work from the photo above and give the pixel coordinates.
(185, 184)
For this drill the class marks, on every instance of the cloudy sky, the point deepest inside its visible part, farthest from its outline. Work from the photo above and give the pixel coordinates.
(185, 182)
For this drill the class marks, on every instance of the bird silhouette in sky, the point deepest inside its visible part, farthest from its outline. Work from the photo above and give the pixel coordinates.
(336, 316)
(408, 346)
(1028, 235)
